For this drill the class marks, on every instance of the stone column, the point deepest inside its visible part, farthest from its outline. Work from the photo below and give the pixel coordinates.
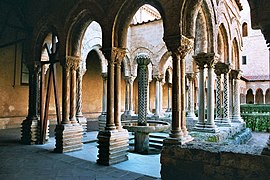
(68, 135)
(208, 59)
(222, 68)
(191, 114)
(226, 110)
(102, 117)
(201, 99)
(131, 107)
(210, 124)
(157, 114)
(161, 97)
(31, 125)
(74, 66)
(79, 115)
(127, 96)
(113, 140)
(231, 96)
(143, 60)
(179, 46)
(169, 109)
(263, 98)
(119, 57)
(104, 94)
(236, 116)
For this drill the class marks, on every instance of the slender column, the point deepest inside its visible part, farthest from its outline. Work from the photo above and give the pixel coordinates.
(218, 99)
(210, 125)
(226, 110)
(209, 59)
(157, 97)
(131, 107)
(30, 126)
(169, 98)
(73, 62)
(65, 91)
(104, 95)
(231, 97)
(79, 115)
(148, 95)
(263, 98)
(222, 68)
(80, 73)
(236, 97)
(127, 95)
(160, 98)
(201, 110)
(119, 56)
(110, 90)
(143, 60)
(179, 46)
(190, 96)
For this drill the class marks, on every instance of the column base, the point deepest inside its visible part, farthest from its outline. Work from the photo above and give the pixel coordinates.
(191, 122)
(177, 141)
(68, 138)
(30, 131)
(223, 122)
(128, 113)
(83, 122)
(113, 146)
(209, 128)
(102, 122)
(237, 119)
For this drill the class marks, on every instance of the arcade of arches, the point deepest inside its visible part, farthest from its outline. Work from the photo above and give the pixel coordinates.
(194, 48)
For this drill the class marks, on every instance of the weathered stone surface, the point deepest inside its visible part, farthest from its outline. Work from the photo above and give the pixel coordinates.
(213, 161)
(113, 147)
(68, 137)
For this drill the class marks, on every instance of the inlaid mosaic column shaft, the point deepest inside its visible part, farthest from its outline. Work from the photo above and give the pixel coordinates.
(143, 60)
(218, 98)
(226, 92)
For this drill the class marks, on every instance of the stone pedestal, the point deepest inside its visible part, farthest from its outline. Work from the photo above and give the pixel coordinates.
(113, 147)
(30, 131)
(142, 142)
(102, 122)
(68, 137)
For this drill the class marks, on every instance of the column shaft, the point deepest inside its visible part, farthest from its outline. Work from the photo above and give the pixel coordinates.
(157, 98)
(226, 110)
(218, 99)
(117, 96)
(65, 94)
(104, 94)
(127, 96)
(73, 96)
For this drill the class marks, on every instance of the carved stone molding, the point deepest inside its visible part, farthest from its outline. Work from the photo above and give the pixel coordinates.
(208, 59)
(222, 68)
(179, 45)
(236, 74)
(72, 62)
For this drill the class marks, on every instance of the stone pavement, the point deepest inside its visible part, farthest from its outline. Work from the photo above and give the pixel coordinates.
(36, 162)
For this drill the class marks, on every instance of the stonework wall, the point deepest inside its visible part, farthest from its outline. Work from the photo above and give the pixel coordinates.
(213, 162)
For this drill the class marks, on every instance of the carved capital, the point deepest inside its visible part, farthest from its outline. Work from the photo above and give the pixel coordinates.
(179, 45)
(236, 74)
(118, 54)
(72, 62)
(104, 76)
(222, 68)
(190, 76)
(142, 59)
(208, 59)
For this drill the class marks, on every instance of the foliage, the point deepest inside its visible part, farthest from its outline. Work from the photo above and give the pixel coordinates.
(256, 116)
